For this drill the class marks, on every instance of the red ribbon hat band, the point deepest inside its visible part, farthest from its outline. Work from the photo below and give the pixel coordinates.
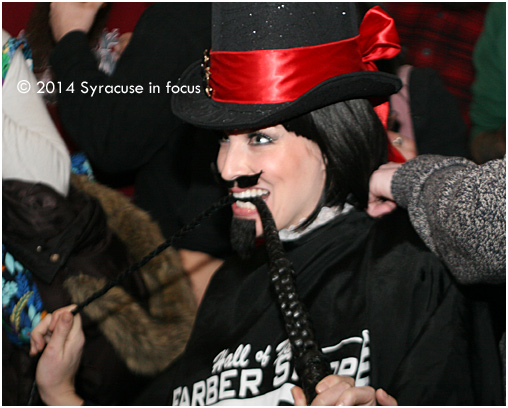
(283, 75)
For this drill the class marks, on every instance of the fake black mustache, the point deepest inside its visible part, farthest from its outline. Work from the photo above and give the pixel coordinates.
(241, 182)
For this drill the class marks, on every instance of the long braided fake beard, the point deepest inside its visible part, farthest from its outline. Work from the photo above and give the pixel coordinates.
(243, 236)
(310, 363)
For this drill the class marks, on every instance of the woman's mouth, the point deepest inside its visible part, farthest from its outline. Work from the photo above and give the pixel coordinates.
(241, 207)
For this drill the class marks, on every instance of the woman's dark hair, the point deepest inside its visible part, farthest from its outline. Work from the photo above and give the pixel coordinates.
(353, 143)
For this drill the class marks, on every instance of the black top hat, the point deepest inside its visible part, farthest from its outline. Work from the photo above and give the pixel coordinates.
(272, 62)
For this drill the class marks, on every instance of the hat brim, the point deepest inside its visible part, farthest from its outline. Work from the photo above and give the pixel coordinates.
(202, 111)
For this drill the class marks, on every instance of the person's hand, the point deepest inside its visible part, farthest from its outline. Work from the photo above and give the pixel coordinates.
(339, 390)
(380, 192)
(403, 144)
(69, 16)
(384, 399)
(60, 335)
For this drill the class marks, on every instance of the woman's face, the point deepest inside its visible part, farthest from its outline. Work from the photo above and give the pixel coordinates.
(292, 178)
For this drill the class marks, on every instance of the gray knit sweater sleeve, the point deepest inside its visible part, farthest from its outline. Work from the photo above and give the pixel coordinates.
(459, 210)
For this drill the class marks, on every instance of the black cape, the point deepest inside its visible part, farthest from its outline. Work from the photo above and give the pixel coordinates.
(385, 311)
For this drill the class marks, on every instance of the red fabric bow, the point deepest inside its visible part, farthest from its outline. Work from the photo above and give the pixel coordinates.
(378, 38)
(283, 75)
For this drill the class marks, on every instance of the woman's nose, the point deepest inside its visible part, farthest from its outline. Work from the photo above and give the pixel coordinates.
(233, 162)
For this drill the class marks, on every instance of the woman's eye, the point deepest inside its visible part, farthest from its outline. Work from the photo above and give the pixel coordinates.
(223, 139)
(260, 139)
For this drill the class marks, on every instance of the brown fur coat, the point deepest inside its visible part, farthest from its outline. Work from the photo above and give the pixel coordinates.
(147, 340)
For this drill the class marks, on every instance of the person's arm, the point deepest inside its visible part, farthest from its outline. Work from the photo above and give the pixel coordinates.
(60, 336)
(120, 131)
(458, 209)
(69, 16)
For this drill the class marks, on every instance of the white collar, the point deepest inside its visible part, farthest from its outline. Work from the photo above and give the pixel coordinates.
(326, 214)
